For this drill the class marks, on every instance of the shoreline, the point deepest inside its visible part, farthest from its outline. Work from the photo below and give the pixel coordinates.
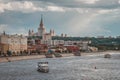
(18, 58)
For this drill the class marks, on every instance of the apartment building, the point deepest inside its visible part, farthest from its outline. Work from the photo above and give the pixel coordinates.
(14, 43)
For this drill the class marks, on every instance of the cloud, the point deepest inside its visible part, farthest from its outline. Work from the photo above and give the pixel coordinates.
(87, 1)
(102, 4)
(55, 8)
(119, 1)
(19, 6)
(81, 6)
(26, 7)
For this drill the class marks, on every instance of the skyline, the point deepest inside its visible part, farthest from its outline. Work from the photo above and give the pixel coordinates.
(71, 17)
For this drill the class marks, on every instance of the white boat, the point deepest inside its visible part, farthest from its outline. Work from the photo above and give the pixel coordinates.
(43, 67)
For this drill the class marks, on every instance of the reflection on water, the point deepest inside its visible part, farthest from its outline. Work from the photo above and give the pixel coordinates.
(72, 68)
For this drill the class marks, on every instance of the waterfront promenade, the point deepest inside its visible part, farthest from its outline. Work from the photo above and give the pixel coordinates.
(17, 58)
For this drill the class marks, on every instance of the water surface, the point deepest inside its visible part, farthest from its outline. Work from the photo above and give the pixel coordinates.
(69, 68)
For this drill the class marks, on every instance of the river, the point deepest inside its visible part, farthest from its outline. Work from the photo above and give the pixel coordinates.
(67, 68)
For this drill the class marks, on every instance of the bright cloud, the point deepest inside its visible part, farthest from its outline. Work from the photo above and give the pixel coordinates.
(27, 6)
(91, 1)
(81, 6)
(87, 1)
(19, 6)
(55, 8)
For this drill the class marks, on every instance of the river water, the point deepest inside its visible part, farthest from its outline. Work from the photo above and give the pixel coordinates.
(69, 68)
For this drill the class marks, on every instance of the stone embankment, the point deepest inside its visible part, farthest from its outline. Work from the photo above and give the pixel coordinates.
(17, 58)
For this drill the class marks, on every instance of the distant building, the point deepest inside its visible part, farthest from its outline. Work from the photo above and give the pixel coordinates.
(65, 35)
(50, 39)
(118, 37)
(42, 31)
(62, 35)
(100, 37)
(46, 37)
(13, 43)
(110, 37)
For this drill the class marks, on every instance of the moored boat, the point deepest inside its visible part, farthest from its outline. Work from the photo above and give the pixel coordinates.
(77, 53)
(47, 55)
(57, 55)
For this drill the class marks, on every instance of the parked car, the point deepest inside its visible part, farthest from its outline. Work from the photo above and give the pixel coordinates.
(43, 67)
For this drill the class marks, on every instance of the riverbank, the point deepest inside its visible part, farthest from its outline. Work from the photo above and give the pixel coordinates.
(17, 58)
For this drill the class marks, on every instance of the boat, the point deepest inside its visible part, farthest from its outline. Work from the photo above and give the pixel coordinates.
(47, 55)
(57, 55)
(43, 67)
(77, 53)
(107, 56)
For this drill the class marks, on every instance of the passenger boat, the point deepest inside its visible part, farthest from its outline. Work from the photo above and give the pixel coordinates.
(43, 67)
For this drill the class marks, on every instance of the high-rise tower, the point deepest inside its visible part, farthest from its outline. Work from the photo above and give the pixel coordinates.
(41, 29)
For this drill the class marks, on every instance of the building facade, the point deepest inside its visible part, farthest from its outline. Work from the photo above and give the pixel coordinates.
(41, 29)
(13, 43)
(42, 32)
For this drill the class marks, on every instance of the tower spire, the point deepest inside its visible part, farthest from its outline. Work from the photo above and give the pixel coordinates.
(41, 22)
(29, 33)
(4, 33)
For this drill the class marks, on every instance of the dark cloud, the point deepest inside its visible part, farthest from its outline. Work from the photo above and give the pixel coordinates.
(104, 4)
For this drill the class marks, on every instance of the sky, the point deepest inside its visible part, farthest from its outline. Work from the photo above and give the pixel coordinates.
(80, 18)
